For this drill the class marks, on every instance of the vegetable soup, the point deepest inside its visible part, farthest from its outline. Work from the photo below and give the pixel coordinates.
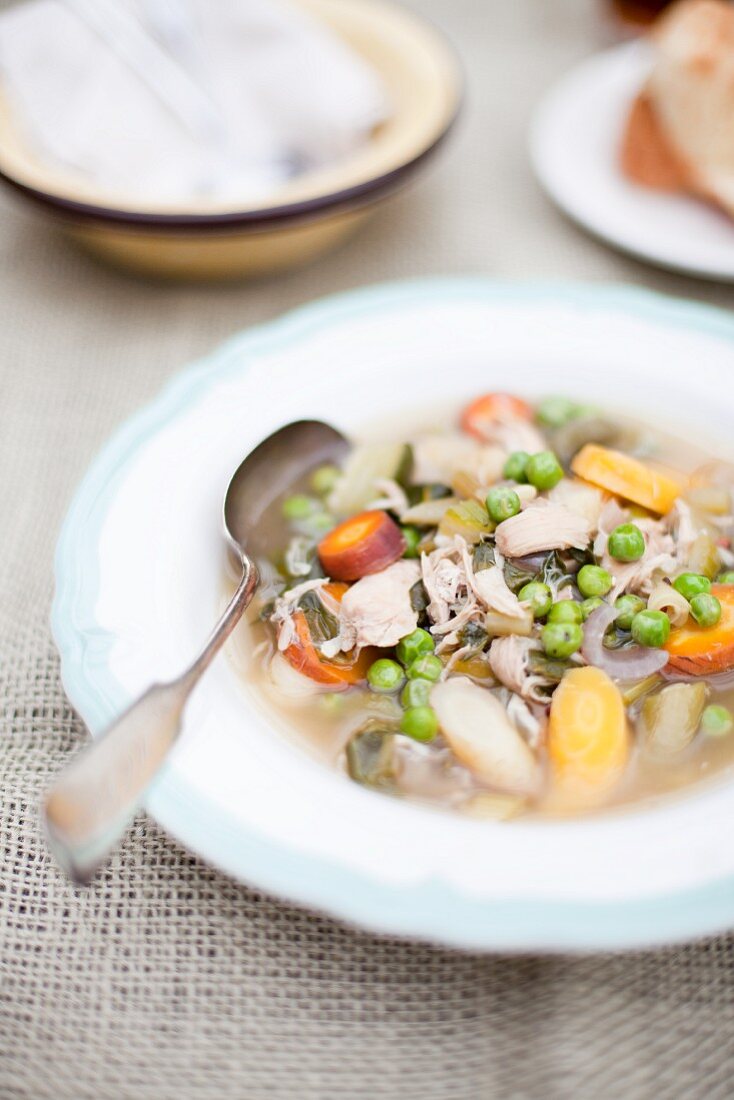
(527, 611)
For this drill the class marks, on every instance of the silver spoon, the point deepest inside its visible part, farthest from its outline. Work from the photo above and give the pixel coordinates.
(91, 803)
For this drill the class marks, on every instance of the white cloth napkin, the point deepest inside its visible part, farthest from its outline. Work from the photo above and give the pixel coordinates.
(279, 93)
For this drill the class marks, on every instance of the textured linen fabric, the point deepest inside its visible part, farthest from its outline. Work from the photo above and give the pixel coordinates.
(165, 979)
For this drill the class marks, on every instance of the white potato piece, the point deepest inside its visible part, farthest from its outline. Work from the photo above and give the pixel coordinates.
(483, 738)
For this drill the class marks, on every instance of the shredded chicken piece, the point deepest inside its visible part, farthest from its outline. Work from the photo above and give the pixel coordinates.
(509, 658)
(450, 582)
(284, 607)
(393, 497)
(443, 578)
(492, 590)
(455, 657)
(466, 563)
(683, 528)
(458, 595)
(331, 647)
(438, 608)
(287, 634)
(470, 610)
(377, 609)
(640, 576)
(330, 604)
(661, 555)
(543, 525)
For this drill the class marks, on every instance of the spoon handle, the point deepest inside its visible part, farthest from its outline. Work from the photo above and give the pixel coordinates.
(91, 803)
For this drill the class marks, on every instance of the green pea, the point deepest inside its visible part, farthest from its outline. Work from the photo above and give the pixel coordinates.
(502, 503)
(416, 693)
(725, 578)
(566, 611)
(324, 479)
(561, 639)
(706, 609)
(628, 606)
(716, 721)
(590, 605)
(412, 538)
(651, 628)
(413, 646)
(299, 506)
(544, 470)
(626, 542)
(385, 675)
(420, 723)
(539, 596)
(691, 584)
(554, 412)
(429, 667)
(592, 580)
(514, 468)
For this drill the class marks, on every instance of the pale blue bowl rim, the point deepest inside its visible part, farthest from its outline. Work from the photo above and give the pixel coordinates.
(430, 910)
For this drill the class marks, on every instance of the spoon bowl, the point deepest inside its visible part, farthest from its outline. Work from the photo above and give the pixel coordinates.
(93, 800)
(269, 470)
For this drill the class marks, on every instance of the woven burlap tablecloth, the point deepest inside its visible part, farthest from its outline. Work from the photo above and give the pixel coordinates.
(165, 979)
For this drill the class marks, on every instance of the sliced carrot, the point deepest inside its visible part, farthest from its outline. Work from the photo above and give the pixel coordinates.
(704, 650)
(492, 407)
(588, 736)
(303, 656)
(629, 478)
(364, 544)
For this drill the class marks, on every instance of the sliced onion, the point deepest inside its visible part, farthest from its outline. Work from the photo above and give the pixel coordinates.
(531, 563)
(634, 663)
(719, 681)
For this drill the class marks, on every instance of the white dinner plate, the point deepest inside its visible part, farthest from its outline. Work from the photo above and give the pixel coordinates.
(139, 584)
(575, 138)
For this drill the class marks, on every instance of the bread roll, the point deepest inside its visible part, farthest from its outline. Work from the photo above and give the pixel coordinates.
(680, 131)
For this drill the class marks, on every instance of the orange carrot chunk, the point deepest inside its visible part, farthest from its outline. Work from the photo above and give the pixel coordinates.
(364, 544)
(490, 408)
(628, 478)
(588, 737)
(702, 651)
(303, 656)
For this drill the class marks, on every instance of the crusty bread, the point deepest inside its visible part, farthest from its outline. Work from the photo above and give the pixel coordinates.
(680, 131)
(647, 156)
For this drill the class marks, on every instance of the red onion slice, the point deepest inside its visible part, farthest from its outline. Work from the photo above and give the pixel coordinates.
(531, 563)
(634, 663)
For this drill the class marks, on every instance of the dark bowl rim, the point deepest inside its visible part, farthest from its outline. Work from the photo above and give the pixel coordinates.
(359, 194)
(261, 218)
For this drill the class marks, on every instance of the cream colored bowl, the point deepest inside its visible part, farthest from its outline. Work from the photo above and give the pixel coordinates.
(308, 215)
